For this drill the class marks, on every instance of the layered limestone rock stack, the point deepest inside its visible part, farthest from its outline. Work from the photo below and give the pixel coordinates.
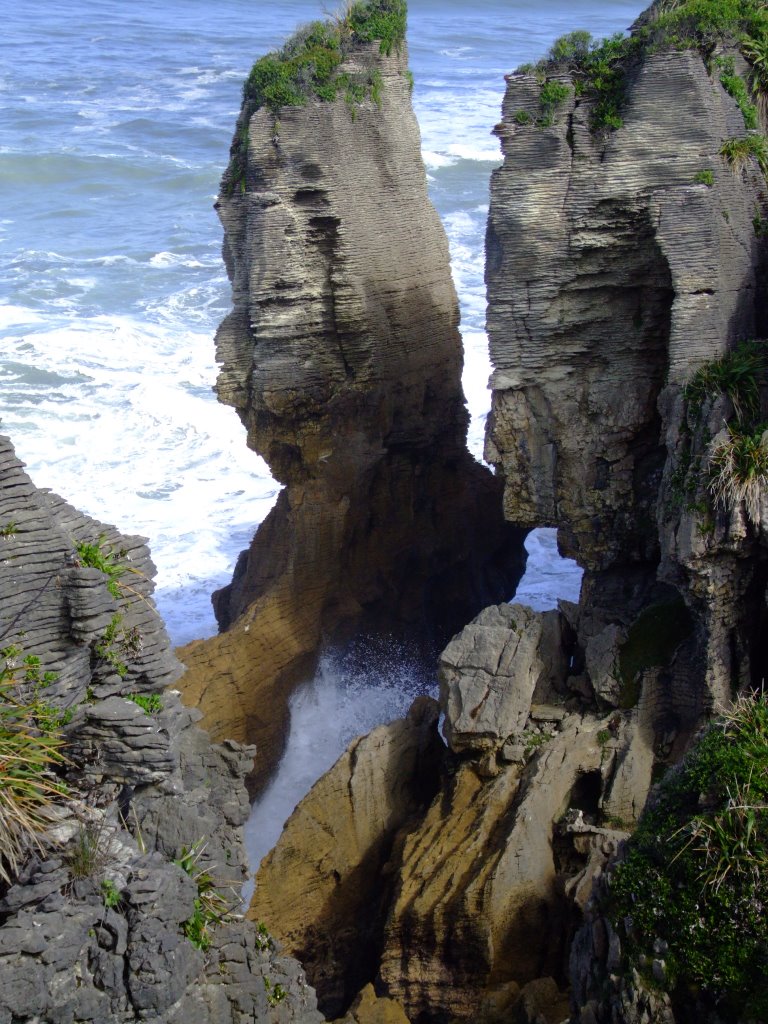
(101, 924)
(620, 262)
(613, 275)
(343, 359)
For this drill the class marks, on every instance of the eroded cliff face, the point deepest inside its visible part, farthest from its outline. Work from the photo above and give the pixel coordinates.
(343, 359)
(98, 920)
(613, 276)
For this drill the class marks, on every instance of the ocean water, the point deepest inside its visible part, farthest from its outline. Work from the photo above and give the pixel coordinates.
(115, 127)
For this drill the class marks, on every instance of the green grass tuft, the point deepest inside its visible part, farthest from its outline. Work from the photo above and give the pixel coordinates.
(737, 374)
(739, 151)
(29, 751)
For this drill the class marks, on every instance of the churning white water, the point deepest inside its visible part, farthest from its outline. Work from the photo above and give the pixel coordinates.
(350, 695)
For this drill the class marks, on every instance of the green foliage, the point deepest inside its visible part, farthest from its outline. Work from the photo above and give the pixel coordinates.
(739, 151)
(378, 20)
(739, 468)
(552, 95)
(522, 117)
(574, 47)
(98, 555)
(210, 906)
(736, 87)
(275, 992)
(151, 703)
(308, 63)
(28, 754)
(704, 23)
(695, 873)
(264, 941)
(533, 740)
(651, 641)
(738, 461)
(9, 530)
(704, 178)
(738, 374)
(110, 894)
(599, 67)
(117, 643)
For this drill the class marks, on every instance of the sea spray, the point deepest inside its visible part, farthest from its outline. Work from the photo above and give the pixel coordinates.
(374, 681)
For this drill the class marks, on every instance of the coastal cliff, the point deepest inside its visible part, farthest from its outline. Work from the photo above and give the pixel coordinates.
(120, 846)
(343, 359)
(626, 287)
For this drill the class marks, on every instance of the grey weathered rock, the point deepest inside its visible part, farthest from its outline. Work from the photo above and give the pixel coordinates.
(612, 277)
(142, 787)
(490, 672)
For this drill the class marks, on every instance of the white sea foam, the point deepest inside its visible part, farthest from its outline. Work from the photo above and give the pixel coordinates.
(548, 578)
(341, 702)
(484, 154)
(16, 316)
(138, 439)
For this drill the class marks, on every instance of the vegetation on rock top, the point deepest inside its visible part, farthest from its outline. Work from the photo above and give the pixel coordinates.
(599, 67)
(691, 893)
(307, 66)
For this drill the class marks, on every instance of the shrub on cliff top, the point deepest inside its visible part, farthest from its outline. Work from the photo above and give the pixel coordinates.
(308, 63)
(599, 67)
(695, 873)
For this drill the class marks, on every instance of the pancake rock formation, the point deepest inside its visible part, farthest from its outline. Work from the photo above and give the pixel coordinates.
(626, 283)
(103, 906)
(343, 359)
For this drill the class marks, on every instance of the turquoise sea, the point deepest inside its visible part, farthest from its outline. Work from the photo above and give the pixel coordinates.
(115, 127)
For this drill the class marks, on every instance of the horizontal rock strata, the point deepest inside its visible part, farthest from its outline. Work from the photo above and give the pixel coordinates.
(343, 360)
(98, 924)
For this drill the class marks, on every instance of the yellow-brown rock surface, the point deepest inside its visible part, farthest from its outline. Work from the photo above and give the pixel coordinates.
(324, 887)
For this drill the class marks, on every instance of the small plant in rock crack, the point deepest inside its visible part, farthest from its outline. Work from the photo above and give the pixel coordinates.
(98, 555)
(117, 643)
(90, 849)
(113, 563)
(210, 906)
(275, 991)
(9, 530)
(264, 942)
(110, 894)
(739, 460)
(150, 703)
(739, 465)
(739, 151)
